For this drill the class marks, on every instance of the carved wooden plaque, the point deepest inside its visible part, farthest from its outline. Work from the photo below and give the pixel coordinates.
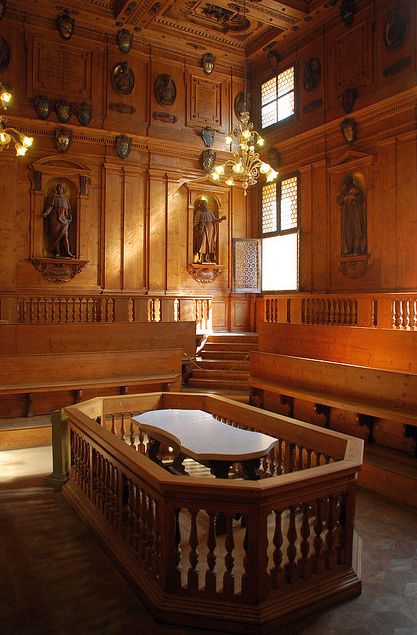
(61, 70)
(205, 101)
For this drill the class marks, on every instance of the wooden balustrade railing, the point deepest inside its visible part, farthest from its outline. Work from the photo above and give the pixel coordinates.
(286, 534)
(392, 311)
(69, 309)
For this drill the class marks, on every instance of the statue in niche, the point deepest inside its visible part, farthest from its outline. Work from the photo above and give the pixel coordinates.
(354, 226)
(58, 212)
(205, 233)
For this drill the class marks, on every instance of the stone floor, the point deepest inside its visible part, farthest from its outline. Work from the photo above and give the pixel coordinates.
(55, 579)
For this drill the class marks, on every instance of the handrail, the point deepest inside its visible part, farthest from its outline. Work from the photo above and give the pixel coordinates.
(162, 528)
(380, 310)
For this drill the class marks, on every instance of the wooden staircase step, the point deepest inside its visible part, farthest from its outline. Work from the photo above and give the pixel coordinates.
(203, 373)
(228, 337)
(230, 346)
(223, 364)
(223, 354)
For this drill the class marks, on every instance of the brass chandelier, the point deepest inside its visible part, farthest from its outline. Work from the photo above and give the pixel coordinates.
(11, 136)
(245, 166)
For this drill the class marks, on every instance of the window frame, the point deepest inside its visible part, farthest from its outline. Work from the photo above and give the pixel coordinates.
(295, 91)
(284, 232)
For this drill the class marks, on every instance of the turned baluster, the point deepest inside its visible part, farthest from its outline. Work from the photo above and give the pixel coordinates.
(113, 425)
(277, 555)
(341, 529)
(149, 530)
(137, 520)
(318, 541)
(128, 519)
(229, 561)
(143, 524)
(178, 553)
(305, 564)
(318, 458)
(309, 458)
(290, 567)
(271, 461)
(300, 465)
(156, 551)
(211, 573)
(122, 427)
(330, 534)
(115, 496)
(131, 431)
(193, 557)
(280, 458)
(406, 311)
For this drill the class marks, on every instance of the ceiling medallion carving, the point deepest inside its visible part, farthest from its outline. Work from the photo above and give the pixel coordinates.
(58, 270)
(213, 16)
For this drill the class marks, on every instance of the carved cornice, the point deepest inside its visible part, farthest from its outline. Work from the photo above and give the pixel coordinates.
(205, 273)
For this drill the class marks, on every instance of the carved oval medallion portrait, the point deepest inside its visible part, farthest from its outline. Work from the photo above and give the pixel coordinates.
(242, 104)
(84, 113)
(312, 74)
(63, 137)
(165, 90)
(123, 79)
(65, 25)
(43, 107)
(4, 54)
(396, 28)
(63, 110)
(124, 40)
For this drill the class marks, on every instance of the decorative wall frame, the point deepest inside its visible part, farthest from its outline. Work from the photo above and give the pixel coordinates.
(311, 74)
(207, 62)
(63, 138)
(396, 28)
(208, 160)
(65, 25)
(122, 79)
(43, 107)
(124, 39)
(207, 135)
(3, 7)
(165, 90)
(63, 110)
(84, 113)
(123, 146)
(347, 12)
(274, 59)
(4, 54)
(348, 99)
(349, 130)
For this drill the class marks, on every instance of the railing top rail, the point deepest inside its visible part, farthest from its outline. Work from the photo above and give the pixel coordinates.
(176, 487)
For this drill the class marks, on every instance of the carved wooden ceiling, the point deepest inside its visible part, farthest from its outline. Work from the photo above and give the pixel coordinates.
(233, 26)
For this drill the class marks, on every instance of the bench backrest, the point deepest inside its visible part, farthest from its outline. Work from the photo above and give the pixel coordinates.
(18, 339)
(385, 388)
(377, 348)
(56, 367)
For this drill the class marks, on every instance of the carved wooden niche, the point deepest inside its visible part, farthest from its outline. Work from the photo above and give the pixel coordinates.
(351, 202)
(59, 196)
(205, 238)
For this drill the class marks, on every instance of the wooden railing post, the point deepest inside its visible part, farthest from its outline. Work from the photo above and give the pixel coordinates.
(60, 450)
(8, 309)
(295, 310)
(257, 579)
(121, 309)
(366, 312)
(385, 313)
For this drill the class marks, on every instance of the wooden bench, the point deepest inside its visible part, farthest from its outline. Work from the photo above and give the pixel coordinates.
(375, 396)
(59, 379)
(23, 339)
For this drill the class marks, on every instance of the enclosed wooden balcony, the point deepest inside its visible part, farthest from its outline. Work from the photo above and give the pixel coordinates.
(289, 545)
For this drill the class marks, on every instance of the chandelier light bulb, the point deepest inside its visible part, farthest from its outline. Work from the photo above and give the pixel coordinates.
(229, 181)
(229, 139)
(252, 148)
(27, 141)
(219, 169)
(271, 176)
(246, 134)
(215, 176)
(260, 142)
(264, 168)
(244, 147)
(20, 150)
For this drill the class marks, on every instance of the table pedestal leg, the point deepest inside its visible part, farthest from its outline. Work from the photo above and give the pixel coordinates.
(249, 469)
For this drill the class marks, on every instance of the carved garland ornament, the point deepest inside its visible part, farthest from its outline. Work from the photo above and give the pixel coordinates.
(205, 273)
(58, 270)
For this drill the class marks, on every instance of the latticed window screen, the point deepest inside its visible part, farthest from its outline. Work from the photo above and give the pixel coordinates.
(289, 203)
(269, 208)
(246, 265)
(278, 98)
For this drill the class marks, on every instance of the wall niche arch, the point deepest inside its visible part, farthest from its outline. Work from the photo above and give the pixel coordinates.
(58, 261)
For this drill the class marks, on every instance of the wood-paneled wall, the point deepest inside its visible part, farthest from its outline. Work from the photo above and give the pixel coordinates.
(384, 154)
(135, 216)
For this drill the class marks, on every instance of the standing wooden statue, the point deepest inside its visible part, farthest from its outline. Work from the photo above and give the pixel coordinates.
(354, 226)
(58, 211)
(205, 234)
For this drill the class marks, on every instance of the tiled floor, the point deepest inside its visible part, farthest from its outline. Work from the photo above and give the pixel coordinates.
(55, 579)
